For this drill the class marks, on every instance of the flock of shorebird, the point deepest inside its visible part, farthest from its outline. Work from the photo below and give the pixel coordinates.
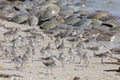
(27, 44)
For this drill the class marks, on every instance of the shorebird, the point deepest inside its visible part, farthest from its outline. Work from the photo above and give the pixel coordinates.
(8, 35)
(18, 61)
(73, 52)
(5, 49)
(2, 47)
(62, 58)
(47, 59)
(103, 55)
(43, 52)
(49, 63)
(7, 52)
(28, 52)
(25, 58)
(13, 53)
(39, 37)
(15, 45)
(12, 33)
(116, 50)
(32, 45)
(16, 32)
(48, 48)
(93, 48)
(73, 39)
(83, 56)
(18, 39)
(61, 34)
(61, 46)
(57, 41)
(79, 45)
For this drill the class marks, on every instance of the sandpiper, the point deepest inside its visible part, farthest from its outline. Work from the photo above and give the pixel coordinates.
(62, 58)
(49, 63)
(8, 35)
(48, 48)
(13, 53)
(103, 55)
(18, 61)
(61, 46)
(28, 52)
(73, 52)
(83, 55)
(79, 45)
(57, 41)
(43, 52)
(32, 45)
(15, 46)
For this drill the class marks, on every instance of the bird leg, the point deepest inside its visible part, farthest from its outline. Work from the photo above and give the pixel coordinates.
(86, 63)
(70, 57)
(73, 58)
(47, 72)
(79, 61)
(51, 72)
(62, 64)
(102, 61)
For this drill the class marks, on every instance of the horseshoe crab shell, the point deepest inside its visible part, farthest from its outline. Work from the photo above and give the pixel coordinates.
(51, 11)
(20, 18)
(49, 24)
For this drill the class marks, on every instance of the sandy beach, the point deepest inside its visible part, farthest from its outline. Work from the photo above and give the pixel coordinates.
(37, 71)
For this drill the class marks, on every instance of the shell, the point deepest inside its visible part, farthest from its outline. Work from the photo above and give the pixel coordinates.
(22, 5)
(83, 12)
(58, 18)
(62, 3)
(52, 1)
(99, 15)
(51, 11)
(96, 22)
(71, 20)
(49, 24)
(116, 38)
(8, 15)
(20, 18)
(83, 23)
(66, 12)
(33, 20)
(116, 29)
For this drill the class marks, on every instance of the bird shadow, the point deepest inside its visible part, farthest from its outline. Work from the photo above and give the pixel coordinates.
(113, 70)
(8, 69)
(80, 66)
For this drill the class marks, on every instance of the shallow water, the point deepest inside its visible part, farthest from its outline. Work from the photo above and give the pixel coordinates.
(112, 6)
